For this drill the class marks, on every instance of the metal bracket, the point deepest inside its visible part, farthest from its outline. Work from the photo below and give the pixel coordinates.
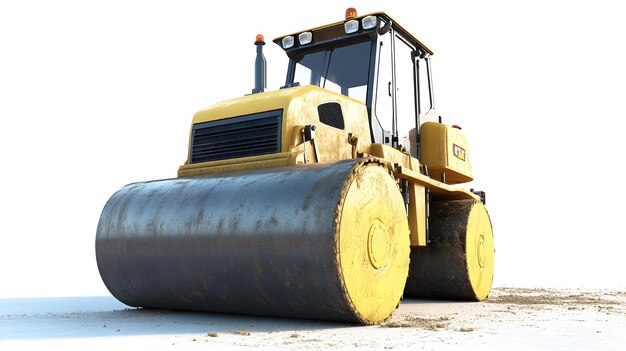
(354, 141)
(291, 85)
(308, 134)
(480, 194)
(384, 29)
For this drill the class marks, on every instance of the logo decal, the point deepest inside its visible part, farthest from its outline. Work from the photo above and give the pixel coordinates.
(458, 151)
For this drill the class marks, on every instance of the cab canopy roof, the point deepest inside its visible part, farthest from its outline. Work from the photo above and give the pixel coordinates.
(326, 34)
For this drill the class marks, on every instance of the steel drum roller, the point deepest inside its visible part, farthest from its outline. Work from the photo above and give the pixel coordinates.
(317, 241)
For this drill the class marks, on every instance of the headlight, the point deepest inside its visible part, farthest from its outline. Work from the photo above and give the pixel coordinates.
(351, 26)
(288, 42)
(305, 38)
(369, 22)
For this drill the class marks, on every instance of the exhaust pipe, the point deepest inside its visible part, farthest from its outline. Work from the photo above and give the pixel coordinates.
(260, 74)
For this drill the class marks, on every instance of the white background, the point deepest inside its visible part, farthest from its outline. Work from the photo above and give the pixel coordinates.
(95, 95)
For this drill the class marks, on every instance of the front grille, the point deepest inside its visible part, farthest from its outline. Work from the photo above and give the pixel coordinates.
(249, 135)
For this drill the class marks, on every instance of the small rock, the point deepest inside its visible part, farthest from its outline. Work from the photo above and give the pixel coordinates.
(466, 329)
(213, 335)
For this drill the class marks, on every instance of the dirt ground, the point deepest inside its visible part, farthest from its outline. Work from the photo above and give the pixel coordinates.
(511, 318)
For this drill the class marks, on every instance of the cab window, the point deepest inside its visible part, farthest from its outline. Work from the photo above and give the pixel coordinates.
(405, 91)
(343, 69)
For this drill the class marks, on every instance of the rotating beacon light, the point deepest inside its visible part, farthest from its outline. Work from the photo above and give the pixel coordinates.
(351, 25)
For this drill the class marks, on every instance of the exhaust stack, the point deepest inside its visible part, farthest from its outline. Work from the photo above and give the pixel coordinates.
(260, 70)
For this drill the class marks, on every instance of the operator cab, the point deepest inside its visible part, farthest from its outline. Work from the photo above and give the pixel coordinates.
(371, 59)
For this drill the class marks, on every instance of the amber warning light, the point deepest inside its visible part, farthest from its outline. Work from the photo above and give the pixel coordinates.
(260, 39)
(350, 13)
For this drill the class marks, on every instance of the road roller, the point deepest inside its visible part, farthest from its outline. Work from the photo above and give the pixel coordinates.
(331, 198)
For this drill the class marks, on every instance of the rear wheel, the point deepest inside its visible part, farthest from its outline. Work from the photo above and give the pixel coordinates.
(458, 263)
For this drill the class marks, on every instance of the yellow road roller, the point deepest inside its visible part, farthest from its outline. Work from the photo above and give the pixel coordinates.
(330, 198)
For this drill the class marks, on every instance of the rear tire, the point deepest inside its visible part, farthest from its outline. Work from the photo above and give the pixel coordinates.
(458, 262)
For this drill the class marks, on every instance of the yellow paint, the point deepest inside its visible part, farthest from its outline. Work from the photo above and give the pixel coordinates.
(480, 251)
(441, 191)
(236, 164)
(373, 244)
(445, 149)
(299, 106)
(417, 214)
(409, 170)
(394, 156)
